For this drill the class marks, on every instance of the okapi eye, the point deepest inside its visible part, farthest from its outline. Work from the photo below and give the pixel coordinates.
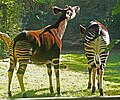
(68, 13)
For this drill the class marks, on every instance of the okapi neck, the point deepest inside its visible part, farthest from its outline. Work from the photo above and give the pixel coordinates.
(60, 25)
(61, 28)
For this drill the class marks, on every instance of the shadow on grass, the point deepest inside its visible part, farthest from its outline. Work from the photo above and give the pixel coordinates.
(77, 91)
(84, 92)
(32, 94)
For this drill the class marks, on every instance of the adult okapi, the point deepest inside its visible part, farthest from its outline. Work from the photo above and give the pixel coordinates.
(96, 42)
(42, 45)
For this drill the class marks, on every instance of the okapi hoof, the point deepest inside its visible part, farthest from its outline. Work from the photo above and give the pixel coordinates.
(9, 94)
(93, 89)
(51, 90)
(59, 95)
(101, 92)
(24, 95)
(89, 86)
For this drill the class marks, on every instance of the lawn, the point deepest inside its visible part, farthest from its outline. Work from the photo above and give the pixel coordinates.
(74, 78)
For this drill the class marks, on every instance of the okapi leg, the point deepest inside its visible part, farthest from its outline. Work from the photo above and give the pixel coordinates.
(98, 84)
(90, 78)
(49, 70)
(94, 80)
(56, 69)
(10, 75)
(101, 80)
(20, 74)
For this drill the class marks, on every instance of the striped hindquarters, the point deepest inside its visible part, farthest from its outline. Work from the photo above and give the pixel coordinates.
(95, 45)
(22, 53)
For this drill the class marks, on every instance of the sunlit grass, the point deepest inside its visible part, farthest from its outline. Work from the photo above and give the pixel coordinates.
(75, 62)
(74, 78)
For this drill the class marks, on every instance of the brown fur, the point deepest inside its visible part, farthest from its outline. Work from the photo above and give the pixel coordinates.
(103, 27)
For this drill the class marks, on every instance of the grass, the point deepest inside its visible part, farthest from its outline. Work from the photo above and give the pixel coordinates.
(74, 78)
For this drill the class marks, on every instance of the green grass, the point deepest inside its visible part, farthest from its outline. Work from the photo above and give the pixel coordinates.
(74, 78)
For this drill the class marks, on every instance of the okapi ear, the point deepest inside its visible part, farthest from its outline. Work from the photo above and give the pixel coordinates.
(77, 8)
(82, 29)
(67, 6)
(57, 10)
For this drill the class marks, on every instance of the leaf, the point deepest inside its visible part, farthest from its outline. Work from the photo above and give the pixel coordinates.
(112, 44)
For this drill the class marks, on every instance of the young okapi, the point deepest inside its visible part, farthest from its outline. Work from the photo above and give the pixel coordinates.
(6, 39)
(42, 45)
(95, 47)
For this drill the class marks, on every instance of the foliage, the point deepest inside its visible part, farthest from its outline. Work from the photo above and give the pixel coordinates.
(39, 11)
(114, 26)
(3, 50)
(12, 17)
(112, 44)
(45, 1)
(10, 14)
(116, 9)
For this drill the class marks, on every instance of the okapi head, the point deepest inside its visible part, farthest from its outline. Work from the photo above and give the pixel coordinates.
(69, 12)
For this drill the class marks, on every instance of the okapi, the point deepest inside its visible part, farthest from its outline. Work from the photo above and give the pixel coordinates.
(42, 45)
(96, 42)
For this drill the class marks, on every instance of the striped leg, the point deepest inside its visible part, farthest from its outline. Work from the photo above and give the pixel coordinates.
(101, 71)
(94, 80)
(98, 84)
(90, 78)
(103, 57)
(90, 57)
(49, 70)
(56, 69)
(20, 74)
(10, 75)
